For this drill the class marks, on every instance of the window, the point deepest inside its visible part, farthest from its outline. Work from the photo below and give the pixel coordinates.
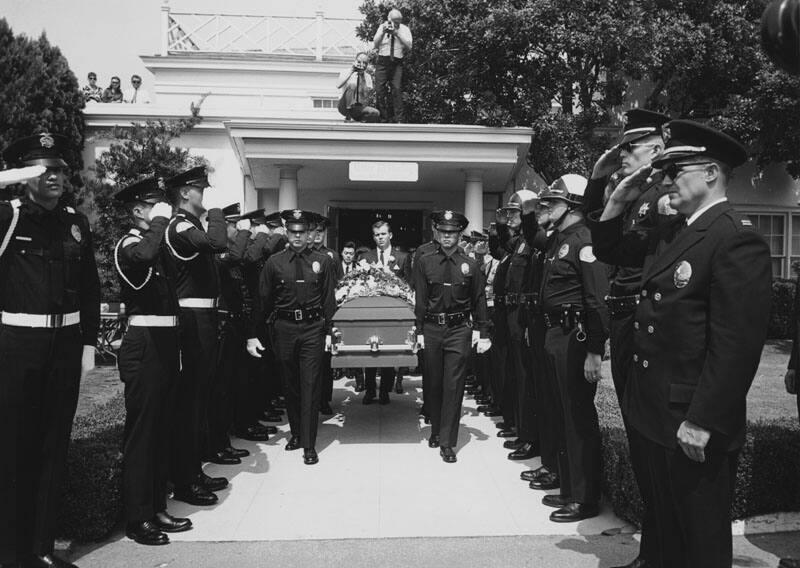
(325, 103)
(772, 227)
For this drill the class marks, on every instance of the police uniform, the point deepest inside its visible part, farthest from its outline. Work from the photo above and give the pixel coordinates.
(702, 284)
(573, 290)
(197, 283)
(296, 293)
(149, 368)
(50, 302)
(450, 300)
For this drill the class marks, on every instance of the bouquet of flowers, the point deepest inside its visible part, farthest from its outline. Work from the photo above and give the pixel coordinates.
(372, 280)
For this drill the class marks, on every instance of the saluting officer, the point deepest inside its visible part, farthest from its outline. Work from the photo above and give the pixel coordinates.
(197, 283)
(50, 302)
(699, 328)
(450, 318)
(574, 287)
(296, 293)
(148, 363)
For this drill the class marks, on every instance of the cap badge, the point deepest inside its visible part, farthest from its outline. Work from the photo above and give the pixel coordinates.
(315, 266)
(521, 248)
(161, 185)
(76, 233)
(563, 251)
(682, 275)
(464, 268)
(666, 133)
(448, 215)
(46, 140)
(297, 213)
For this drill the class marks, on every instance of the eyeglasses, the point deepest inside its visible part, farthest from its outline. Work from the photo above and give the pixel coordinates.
(673, 170)
(136, 81)
(629, 146)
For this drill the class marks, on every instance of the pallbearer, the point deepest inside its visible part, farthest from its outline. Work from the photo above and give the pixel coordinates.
(450, 318)
(148, 363)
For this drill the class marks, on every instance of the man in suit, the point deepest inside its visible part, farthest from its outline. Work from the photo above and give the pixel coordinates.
(699, 328)
(348, 257)
(398, 263)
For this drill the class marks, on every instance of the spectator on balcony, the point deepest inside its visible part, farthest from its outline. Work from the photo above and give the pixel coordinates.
(92, 92)
(358, 91)
(136, 94)
(113, 94)
(393, 42)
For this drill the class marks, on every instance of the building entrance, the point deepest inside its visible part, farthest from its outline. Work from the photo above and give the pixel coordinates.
(409, 228)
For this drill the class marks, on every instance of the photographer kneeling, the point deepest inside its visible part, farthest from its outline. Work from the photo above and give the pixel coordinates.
(358, 90)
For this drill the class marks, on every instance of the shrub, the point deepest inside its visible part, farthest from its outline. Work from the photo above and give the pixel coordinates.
(92, 493)
(782, 312)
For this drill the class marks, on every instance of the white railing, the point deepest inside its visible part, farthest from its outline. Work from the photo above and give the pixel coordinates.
(318, 37)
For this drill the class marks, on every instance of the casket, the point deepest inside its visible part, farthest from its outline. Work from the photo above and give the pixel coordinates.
(374, 331)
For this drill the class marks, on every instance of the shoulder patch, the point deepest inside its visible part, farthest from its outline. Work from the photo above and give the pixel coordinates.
(586, 254)
(746, 223)
(128, 240)
(183, 226)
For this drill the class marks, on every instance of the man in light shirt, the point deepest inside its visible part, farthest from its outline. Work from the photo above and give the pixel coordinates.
(357, 91)
(136, 94)
(393, 42)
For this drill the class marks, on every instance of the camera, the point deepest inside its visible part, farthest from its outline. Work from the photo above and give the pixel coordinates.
(390, 28)
(359, 66)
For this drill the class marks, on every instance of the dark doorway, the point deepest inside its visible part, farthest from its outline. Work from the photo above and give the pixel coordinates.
(408, 227)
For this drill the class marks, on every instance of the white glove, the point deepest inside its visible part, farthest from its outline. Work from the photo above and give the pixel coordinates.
(420, 342)
(259, 229)
(161, 209)
(279, 230)
(87, 360)
(484, 345)
(243, 225)
(19, 175)
(476, 335)
(254, 347)
(327, 342)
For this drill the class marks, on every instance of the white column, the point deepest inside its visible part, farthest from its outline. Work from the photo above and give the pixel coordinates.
(287, 187)
(165, 28)
(473, 199)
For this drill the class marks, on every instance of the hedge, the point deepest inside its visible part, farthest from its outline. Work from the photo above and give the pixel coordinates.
(782, 312)
(768, 469)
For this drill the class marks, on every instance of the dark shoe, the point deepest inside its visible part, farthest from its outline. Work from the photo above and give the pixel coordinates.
(473, 390)
(524, 452)
(272, 417)
(369, 398)
(270, 430)
(573, 512)
(46, 561)
(555, 501)
(236, 452)
(212, 483)
(310, 456)
(482, 406)
(195, 494)
(433, 442)
(278, 403)
(448, 455)
(784, 563)
(398, 385)
(222, 458)
(253, 434)
(492, 411)
(146, 532)
(384, 399)
(470, 380)
(293, 444)
(325, 408)
(639, 562)
(513, 444)
(507, 433)
(531, 474)
(501, 425)
(545, 482)
(485, 399)
(360, 387)
(167, 523)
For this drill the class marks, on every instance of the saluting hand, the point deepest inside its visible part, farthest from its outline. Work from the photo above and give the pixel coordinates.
(254, 347)
(790, 382)
(591, 367)
(607, 164)
(630, 188)
(243, 225)
(87, 360)
(693, 440)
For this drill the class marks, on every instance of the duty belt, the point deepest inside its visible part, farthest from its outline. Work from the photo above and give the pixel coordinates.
(202, 303)
(568, 317)
(450, 320)
(622, 305)
(310, 314)
(47, 321)
(530, 300)
(153, 321)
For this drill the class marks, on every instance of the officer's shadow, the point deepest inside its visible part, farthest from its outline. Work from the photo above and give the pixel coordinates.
(610, 550)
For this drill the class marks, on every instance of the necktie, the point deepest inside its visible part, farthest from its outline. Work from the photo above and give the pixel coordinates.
(135, 92)
(381, 258)
(358, 85)
(298, 277)
(391, 47)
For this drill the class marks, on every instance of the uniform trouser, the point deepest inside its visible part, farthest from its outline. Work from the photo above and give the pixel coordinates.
(446, 352)
(387, 379)
(580, 475)
(621, 334)
(189, 427)
(148, 366)
(327, 377)
(299, 350)
(519, 356)
(39, 383)
(691, 505)
(547, 399)
(502, 383)
(387, 72)
(233, 387)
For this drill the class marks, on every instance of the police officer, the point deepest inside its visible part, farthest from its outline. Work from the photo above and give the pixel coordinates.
(574, 287)
(450, 304)
(148, 363)
(641, 143)
(50, 302)
(297, 295)
(192, 250)
(706, 277)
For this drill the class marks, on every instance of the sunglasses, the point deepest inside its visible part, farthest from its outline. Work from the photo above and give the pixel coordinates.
(673, 170)
(629, 146)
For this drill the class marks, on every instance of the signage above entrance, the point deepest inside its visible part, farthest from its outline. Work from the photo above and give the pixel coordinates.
(384, 171)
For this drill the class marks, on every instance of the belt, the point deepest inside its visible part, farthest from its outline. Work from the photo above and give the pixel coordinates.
(529, 299)
(49, 321)
(449, 320)
(204, 303)
(622, 305)
(310, 314)
(153, 321)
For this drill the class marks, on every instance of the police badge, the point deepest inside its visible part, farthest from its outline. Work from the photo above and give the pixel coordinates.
(643, 210)
(465, 269)
(666, 133)
(682, 275)
(448, 215)
(330, 254)
(76, 233)
(46, 140)
(315, 266)
(563, 251)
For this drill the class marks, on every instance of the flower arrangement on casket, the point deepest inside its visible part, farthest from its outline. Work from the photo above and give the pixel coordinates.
(369, 279)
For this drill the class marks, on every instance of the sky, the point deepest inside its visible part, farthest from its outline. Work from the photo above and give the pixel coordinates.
(108, 36)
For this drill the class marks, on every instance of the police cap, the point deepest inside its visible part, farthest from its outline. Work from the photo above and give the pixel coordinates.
(688, 139)
(145, 190)
(297, 219)
(274, 220)
(232, 212)
(449, 220)
(568, 188)
(477, 236)
(43, 149)
(196, 177)
(640, 122)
